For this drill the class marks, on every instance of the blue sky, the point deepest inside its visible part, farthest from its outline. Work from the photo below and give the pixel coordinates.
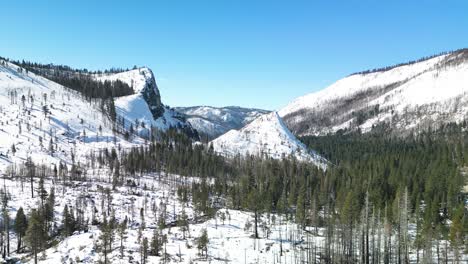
(248, 53)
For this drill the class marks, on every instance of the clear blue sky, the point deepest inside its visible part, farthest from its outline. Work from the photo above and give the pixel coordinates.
(248, 53)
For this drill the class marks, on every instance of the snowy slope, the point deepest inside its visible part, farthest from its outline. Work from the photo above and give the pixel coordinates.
(229, 240)
(412, 96)
(72, 124)
(73, 127)
(215, 121)
(145, 105)
(266, 135)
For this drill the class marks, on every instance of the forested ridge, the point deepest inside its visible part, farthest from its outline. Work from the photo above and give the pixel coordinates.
(80, 80)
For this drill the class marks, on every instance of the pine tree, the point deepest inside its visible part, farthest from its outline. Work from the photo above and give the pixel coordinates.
(255, 206)
(6, 222)
(122, 232)
(68, 222)
(105, 238)
(457, 232)
(111, 109)
(21, 226)
(51, 146)
(13, 149)
(31, 171)
(202, 243)
(182, 222)
(155, 244)
(145, 250)
(42, 193)
(36, 236)
(49, 208)
(142, 218)
(301, 208)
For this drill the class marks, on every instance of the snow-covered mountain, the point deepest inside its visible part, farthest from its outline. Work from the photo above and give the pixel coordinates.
(50, 123)
(215, 121)
(145, 104)
(267, 135)
(408, 97)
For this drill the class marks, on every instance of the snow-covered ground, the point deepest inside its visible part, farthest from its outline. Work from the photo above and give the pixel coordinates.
(229, 241)
(136, 107)
(72, 126)
(266, 135)
(215, 121)
(428, 92)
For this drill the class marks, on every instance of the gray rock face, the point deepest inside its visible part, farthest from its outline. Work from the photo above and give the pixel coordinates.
(152, 97)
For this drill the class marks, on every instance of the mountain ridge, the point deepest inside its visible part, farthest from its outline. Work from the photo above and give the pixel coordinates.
(266, 136)
(47, 121)
(403, 98)
(215, 121)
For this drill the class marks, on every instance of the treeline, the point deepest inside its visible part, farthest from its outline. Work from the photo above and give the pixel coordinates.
(420, 176)
(64, 68)
(373, 190)
(80, 80)
(407, 63)
(381, 200)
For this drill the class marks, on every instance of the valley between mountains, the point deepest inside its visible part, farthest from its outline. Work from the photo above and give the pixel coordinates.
(95, 168)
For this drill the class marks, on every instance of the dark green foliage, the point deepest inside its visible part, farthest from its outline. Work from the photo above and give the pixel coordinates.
(182, 222)
(68, 222)
(428, 165)
(202, 243)
(368, 173)
(145, 250)
(21, 225)
(80, 80)
(36, 235)
(156, 244)
(107, 235)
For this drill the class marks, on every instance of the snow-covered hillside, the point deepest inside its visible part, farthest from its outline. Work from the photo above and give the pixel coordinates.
(50, 123)
(412, 96)
(145, 105)
(215, 121)
(267, 135)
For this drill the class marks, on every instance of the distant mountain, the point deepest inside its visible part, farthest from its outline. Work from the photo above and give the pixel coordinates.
(265, 136)
(215, 121)
(408, 97)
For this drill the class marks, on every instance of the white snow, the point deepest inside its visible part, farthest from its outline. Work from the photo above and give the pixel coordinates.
(73, 123)
(266, 135)
(134, 107)
(228, 241)
(76, 126)
(426, 92)
(359, 82)
(215, 121)
(136, 78)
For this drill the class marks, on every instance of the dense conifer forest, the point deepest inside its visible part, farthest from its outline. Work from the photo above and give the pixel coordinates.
(375, 188)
